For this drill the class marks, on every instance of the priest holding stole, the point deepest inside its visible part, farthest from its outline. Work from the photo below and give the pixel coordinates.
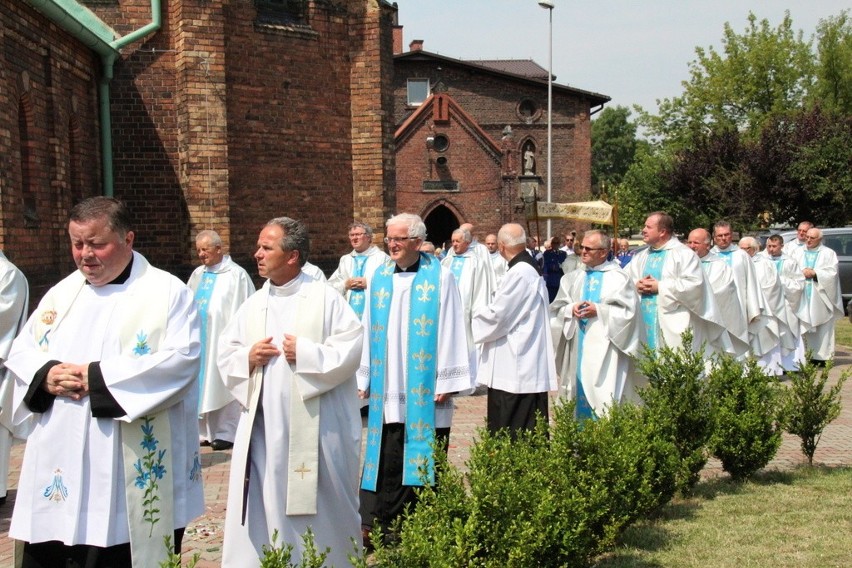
(289, 357)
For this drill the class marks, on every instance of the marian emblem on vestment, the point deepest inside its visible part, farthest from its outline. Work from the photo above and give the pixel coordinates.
(48, 317)
(142, 347)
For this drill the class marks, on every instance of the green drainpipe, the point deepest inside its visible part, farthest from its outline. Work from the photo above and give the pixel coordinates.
(85, 26)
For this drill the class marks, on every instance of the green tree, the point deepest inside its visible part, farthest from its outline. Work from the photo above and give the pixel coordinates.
(834, 70)
(758, 73)
(613, 146)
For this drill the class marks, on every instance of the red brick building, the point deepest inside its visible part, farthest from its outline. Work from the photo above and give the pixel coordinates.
(462, 129)
(223, 114)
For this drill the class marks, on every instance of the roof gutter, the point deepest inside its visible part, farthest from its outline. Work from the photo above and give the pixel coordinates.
(92, 32)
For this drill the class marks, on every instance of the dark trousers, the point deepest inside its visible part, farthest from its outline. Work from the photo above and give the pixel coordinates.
(388, 501)
(515, 411)
(54, 554)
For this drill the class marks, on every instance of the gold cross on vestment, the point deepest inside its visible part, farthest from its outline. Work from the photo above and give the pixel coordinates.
(302, 470)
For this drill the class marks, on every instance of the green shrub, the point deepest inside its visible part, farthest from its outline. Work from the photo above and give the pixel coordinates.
(173, 559)
(678, 404)
(275, 556)
(807, 408)
(745, 403)
(549, 498)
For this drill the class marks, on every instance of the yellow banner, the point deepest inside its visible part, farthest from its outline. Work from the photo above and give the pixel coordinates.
(591, 211)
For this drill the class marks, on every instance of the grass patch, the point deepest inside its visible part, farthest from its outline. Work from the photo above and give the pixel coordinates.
(800, 519)
(843, 332)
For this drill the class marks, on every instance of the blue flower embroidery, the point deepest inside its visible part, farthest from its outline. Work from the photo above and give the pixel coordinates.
(56, 491)
(195, 472)
(150, 469)
(142, 347)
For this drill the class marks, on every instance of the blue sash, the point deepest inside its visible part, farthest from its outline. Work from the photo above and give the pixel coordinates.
(457, 266)
(810, 258)
(356, 297)
(727, 256)
(654, 268)
(202, 301)
(779, 263)
(591, 293)
(421, 372)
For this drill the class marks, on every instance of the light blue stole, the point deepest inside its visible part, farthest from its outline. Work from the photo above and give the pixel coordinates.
(727, 256)
(457, 266)
(591, 293)
(421, 372)
(810, 258)
(654, 268)
(202, 301)
(357, 297)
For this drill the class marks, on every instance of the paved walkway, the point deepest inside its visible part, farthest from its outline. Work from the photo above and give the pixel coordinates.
(204, 536)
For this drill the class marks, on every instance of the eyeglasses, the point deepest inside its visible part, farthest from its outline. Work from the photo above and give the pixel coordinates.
(590, 249)
(356, 235)
(389, 240)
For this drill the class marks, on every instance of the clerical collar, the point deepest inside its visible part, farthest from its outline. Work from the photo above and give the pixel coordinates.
(526, 257)
(121, 278)
(413, 268)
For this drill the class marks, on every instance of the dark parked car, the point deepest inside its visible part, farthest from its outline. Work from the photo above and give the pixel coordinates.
(840, 241)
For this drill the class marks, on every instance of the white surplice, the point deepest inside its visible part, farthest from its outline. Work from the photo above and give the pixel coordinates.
(793, 284)
(720, 277)
(513, 333)
(452, 361)
(500, 266)
(314, 272)
(825, 304)
(218, 409)
(612, 338)
(345, 269)
(684, 299)
(14, 300)
(475, 287)
(785, 342)
(83, 454)
(326, 370)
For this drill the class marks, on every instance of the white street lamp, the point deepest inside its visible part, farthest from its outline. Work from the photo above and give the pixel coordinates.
(548, 5)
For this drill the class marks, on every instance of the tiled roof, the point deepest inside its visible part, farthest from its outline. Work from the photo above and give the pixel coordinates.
(522, 67)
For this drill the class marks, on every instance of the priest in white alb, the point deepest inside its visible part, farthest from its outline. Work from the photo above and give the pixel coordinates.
(14, 302)
(822, 302)
(596, 313)
(415, 357)
(516, 361)
(289, 357)
(106, 368)
(793, 284)
(220, 286)
(674, 292)
(350, 278)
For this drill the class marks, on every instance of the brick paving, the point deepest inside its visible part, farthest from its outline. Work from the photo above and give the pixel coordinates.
(204, 535)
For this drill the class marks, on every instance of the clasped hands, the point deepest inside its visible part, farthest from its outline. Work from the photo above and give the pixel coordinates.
(648, 285)
(264, 350)
(67, 379)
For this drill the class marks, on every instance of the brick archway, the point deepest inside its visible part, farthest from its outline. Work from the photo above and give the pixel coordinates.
(441, 220)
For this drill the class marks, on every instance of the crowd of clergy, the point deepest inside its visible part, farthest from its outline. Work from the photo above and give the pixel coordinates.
(122, 371)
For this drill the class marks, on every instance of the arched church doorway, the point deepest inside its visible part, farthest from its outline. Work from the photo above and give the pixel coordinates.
(440, 224)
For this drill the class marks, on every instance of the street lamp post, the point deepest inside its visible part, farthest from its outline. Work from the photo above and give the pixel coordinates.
(548, 5)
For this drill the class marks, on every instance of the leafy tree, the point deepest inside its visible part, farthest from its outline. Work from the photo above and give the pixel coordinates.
(613, 146)
(640, 192)
(834, 69)
(759, 73)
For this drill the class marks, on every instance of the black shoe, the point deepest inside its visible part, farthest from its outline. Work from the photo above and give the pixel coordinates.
(219, 445)
(205, 443)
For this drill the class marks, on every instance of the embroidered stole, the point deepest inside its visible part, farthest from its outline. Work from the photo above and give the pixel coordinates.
(303, 450)
(457, 267)
(591, 293)
(727, 256)
(146, 441)
(810, 258)
(654, 268)
(420, 372)
(357, 297)
(202, 301)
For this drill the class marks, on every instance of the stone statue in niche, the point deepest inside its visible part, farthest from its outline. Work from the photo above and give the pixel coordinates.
(529, 160)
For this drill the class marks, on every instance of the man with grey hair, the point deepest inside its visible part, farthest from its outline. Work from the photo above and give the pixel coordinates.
(822, 302)
(777, 338)
(474, 278)
(516, 361)
(410, 366)
(289, 357)
(498, 263)
(600, 331)
(801, 241)
(220, 287)
(350, 278)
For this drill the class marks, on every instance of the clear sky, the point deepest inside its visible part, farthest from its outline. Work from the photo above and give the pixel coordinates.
(634, 52)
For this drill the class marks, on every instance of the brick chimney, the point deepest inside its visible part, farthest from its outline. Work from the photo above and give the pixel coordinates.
(397, 39)
(416, 45)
